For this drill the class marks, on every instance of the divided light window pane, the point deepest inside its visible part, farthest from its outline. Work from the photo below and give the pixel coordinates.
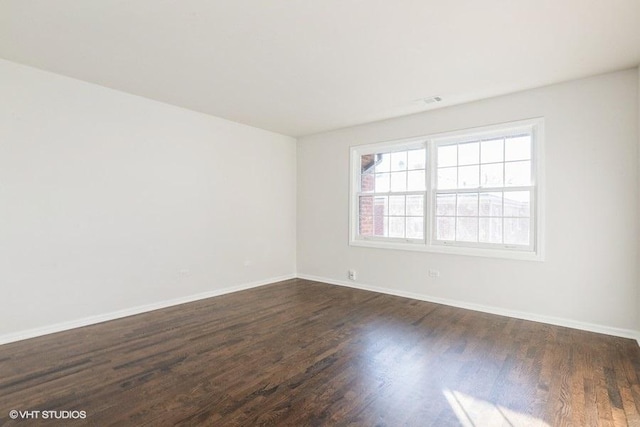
(447, 156)
(492, 175)
(384, 163)
(490, 230)
(415, 227)
(383, 182)
(469, 153)
(447, 178)
(467, 230)
(446, 204)
(491, 204)
(416, 159)
(492, 151)
(517, 203)
(415, 180)
(398, 181)
(517, 148)
(468, 176)
(399, 161)
(415, 205)
(467, 204)
(517, 174)
(396, 205)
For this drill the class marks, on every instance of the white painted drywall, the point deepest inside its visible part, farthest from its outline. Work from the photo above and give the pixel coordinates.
(591, 145)
(110, 201)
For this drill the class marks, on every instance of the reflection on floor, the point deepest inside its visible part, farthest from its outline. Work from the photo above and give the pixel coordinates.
(308, 353)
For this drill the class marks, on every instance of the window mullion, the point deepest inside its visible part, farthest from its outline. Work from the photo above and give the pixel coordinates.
(426, 205)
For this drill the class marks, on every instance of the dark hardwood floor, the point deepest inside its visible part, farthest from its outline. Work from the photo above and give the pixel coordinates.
(306, 353)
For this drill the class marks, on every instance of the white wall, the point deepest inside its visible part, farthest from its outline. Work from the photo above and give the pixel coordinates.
(110, 201)
(590, 273)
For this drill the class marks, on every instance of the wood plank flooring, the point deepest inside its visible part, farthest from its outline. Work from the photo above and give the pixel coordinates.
(306, 353)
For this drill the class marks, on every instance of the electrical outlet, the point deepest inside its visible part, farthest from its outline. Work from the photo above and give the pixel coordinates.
(352, 275)
(434, 273)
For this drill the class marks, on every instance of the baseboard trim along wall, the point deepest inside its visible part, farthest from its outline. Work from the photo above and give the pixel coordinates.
(86, 321)
(607, 330)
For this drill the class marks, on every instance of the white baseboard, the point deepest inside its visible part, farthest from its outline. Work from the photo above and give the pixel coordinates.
(91, 320)
(591, 327)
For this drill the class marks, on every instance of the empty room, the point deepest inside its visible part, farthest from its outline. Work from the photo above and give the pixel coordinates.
(320, 213)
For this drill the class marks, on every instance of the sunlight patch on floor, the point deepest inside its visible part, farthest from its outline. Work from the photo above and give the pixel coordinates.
(473, 412)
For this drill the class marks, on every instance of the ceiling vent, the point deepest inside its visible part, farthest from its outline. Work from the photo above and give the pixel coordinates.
(432, 99)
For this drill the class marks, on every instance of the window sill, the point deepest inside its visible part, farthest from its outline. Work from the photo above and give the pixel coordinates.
(452, 250)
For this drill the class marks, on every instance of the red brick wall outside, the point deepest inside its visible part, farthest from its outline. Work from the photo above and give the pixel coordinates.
(367, 181)
(378, 217)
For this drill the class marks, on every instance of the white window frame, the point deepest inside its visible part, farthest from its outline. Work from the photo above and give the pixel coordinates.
(535, 251)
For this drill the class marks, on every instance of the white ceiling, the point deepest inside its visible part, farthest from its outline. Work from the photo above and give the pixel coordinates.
(304, 66)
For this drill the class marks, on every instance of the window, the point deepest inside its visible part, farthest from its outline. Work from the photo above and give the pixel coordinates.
(473, 192)
(391, 196)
